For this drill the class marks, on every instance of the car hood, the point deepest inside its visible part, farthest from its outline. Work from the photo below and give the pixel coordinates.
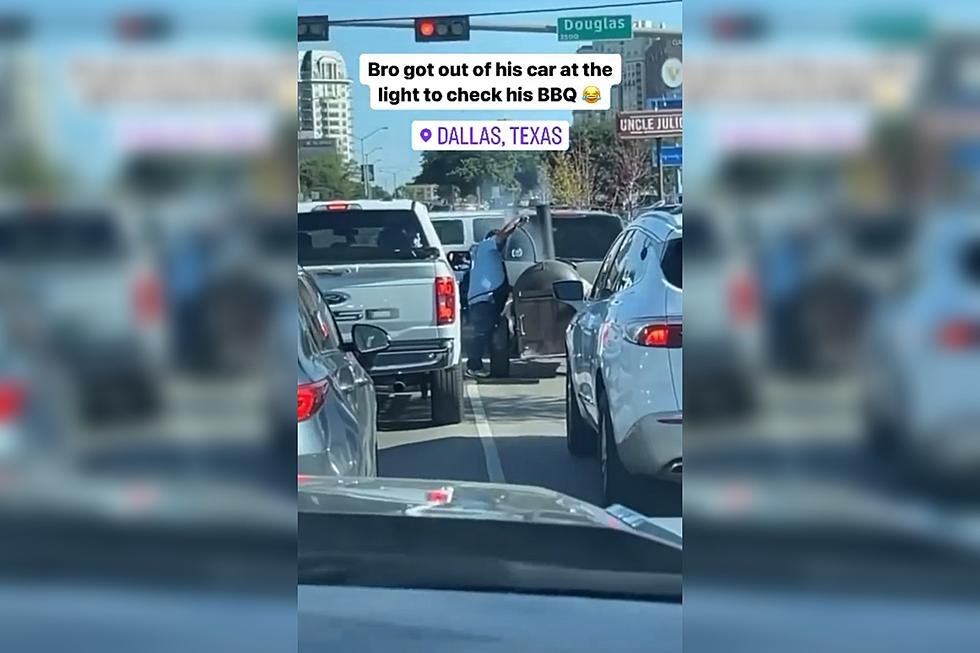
(470, 500)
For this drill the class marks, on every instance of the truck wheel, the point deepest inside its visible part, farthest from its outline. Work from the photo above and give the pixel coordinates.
(447, 396)
(580, 437)
(500, 351)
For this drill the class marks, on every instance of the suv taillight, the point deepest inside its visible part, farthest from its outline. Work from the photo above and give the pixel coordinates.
(664, 335)
(309, 397)
(12, 399)
(445, 300)
(959, 334)
(743, 298)
(148, 298)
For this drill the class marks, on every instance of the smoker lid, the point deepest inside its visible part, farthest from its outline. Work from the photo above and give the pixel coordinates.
(537, 280)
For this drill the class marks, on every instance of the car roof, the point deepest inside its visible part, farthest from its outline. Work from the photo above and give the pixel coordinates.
(564, 213)
(457, 215)
(367, 205)
(660, 223)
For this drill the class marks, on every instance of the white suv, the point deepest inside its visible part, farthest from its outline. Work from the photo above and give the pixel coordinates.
(921, 364)
(624, 383)
(381, 263)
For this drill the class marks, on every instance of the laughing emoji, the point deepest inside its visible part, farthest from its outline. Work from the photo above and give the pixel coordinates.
(591, 94)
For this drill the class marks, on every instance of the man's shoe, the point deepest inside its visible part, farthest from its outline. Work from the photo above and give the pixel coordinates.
(476, 374)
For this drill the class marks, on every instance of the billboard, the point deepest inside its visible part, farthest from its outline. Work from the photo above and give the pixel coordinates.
(664, 77)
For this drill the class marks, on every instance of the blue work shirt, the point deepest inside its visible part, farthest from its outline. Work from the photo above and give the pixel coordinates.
(486, 270)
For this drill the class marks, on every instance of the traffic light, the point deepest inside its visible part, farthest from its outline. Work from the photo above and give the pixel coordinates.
(313, 28)
(14, 28)
(143, 27)
(739, 27)
(442, 28)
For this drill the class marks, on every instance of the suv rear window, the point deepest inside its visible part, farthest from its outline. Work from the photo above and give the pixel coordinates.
(450, 231)
(585, 237)
(483, 226)
(59, 237)
(327, 237)
(672, 262)
(702, 236)
(881, 236)
(971, 261)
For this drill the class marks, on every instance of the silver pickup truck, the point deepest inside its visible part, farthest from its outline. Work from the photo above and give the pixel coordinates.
(381, 263)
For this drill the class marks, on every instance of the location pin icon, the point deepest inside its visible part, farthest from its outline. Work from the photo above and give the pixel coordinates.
(426, 134)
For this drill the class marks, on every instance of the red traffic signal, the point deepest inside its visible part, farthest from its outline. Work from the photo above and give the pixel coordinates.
(150, 27)
(739, 27)
(442, 28)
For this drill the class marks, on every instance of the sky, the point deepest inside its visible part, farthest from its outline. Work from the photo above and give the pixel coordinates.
(396, 153)
(81, 137)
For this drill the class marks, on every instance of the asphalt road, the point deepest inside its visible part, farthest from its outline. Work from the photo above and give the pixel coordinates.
(513, 432)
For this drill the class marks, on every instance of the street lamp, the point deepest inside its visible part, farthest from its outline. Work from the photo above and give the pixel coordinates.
(367, 189)
(394, 179)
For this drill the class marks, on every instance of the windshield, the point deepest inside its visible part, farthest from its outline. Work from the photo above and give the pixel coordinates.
(59, 238)
(327, 237)
(470, 435)
(585, 237)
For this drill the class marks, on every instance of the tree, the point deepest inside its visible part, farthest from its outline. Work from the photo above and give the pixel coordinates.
(330, 176)
(469, 171)
(572, 177)
(633, 173)
(379, 193)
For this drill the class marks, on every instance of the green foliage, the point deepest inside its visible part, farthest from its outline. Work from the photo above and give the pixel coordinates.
(379, 193)
(468, 171)
(328, 175)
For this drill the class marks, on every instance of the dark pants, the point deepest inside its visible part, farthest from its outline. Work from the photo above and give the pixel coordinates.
(483, 318)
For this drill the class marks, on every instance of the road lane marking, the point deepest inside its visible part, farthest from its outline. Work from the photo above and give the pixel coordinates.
(495, 472)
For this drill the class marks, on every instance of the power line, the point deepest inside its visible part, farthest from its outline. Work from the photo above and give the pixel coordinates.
(355, 21)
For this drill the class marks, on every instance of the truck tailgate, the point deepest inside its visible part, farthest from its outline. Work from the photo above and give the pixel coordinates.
(398, 297)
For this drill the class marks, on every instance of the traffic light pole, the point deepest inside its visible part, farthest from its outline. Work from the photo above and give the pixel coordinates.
(499, 27)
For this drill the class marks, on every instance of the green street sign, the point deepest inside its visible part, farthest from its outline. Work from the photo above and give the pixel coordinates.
(595, 28)
(894, 28)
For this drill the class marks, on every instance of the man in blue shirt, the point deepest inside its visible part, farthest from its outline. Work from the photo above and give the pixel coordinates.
(487, 292)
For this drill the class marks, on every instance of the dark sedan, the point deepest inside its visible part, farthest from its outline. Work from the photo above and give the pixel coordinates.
(337, 410)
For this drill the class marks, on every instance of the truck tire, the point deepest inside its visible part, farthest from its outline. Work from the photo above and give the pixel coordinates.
(500, 351)
(446, 391)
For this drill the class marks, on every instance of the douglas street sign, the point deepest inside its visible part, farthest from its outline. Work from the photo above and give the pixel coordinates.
(595, 28)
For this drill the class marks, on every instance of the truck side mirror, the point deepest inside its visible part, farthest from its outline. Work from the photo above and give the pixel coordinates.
(460, 261)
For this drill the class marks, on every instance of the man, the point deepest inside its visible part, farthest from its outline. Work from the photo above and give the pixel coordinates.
(487, 293)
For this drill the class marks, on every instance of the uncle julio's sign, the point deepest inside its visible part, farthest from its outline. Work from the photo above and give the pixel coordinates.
(649, 124)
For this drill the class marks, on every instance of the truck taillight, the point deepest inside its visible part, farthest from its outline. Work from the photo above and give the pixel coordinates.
(12, 399)
(445, 300)
(309, 397)
(664, 335)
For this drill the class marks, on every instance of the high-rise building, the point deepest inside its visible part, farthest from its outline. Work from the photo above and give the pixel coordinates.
(24, 128)
(324, 104)
(642, 61)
